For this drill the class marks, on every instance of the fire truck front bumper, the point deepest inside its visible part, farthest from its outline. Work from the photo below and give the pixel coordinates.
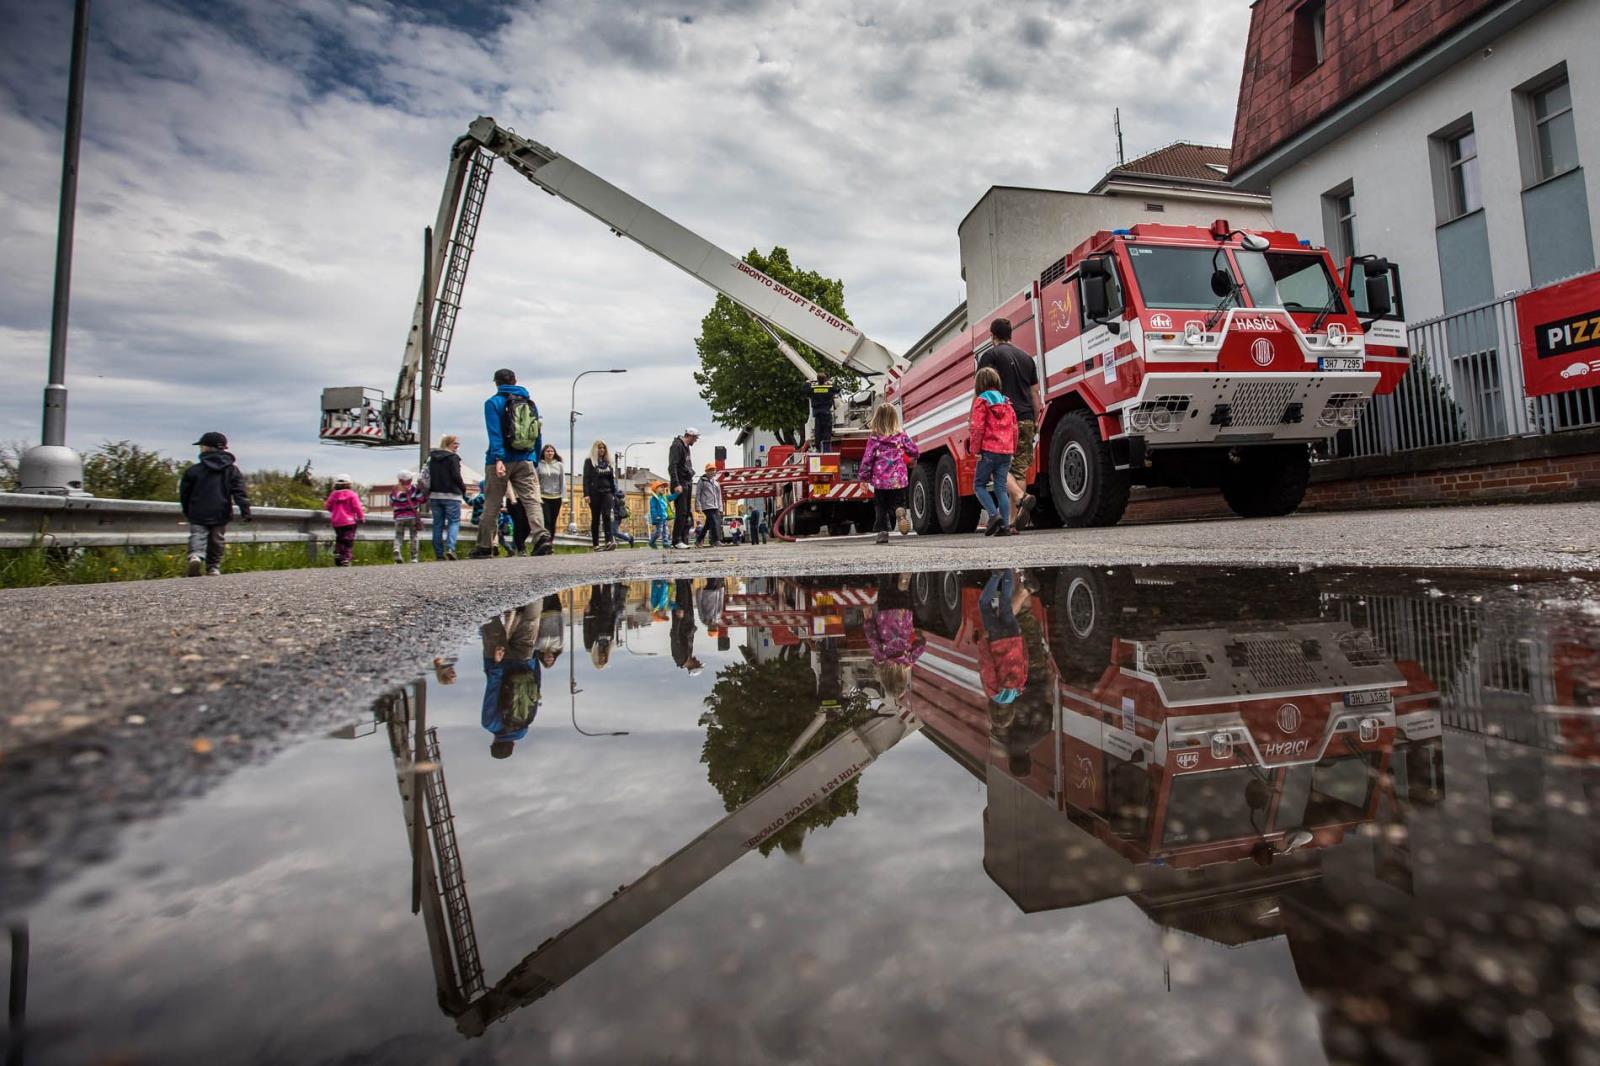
(1183, 410)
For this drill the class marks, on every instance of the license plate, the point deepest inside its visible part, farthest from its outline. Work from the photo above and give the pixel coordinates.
(1340, 362)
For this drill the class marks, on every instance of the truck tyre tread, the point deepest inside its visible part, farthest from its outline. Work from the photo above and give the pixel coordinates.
(1268, 481)
(1103, 497)
(962, 515)
(921, 507)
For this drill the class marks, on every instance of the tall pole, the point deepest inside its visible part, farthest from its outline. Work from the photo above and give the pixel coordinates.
(54, 468)
(425, 418)
(572, 449)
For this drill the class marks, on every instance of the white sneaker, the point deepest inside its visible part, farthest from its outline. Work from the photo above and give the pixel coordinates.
(196, 566)
(680, 544)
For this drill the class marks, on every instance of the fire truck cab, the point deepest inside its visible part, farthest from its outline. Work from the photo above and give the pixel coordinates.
(1169, 356)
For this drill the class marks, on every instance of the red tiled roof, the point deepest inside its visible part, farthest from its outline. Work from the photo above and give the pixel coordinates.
(1182, 161)
(1364, 42)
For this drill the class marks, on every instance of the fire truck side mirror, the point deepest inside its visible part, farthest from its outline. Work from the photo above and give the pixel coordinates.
(1379, 302)
(1221, 283)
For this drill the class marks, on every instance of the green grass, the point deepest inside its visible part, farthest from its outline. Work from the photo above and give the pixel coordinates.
(31, 567)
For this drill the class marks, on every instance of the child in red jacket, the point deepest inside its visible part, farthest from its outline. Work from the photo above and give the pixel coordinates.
(1002, 654)
(993, 435)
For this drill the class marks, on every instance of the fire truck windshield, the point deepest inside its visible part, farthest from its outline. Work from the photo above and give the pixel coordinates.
(1294, 281)
(1176, 278)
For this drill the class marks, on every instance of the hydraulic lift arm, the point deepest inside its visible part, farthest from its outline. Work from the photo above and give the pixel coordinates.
(831, 337)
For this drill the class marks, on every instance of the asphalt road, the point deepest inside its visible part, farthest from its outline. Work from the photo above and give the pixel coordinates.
(125, 698)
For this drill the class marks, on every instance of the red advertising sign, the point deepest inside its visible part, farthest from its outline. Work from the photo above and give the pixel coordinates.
(1559, 327)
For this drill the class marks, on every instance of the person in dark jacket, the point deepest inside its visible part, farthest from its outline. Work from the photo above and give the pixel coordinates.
(511, 678)
(680, 473)
(445, 491)
(508, 464)
(208, 493)
(683, 629)
(599, 486)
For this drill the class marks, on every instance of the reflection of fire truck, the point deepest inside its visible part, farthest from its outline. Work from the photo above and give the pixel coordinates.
(1192, 744)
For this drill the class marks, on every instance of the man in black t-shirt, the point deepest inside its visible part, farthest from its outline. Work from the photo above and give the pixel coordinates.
(1019, 380)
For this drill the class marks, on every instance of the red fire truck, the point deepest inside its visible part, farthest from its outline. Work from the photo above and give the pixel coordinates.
(1171, 356)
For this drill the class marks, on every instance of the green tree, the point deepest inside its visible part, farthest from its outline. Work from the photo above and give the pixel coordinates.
(10, 461)
(756, 710)
(123, 470)
(743, 377)
(277, 488)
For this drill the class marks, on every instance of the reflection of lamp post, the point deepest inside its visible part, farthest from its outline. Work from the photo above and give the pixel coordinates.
(572, 669)
(572, 449)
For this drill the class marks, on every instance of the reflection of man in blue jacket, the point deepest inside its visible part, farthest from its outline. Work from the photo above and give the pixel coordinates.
(511, 678)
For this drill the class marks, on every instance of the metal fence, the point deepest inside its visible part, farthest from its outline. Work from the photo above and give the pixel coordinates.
(1466, 384)
(28, 521)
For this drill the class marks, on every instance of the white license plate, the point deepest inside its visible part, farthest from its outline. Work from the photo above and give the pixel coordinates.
(1340, 362)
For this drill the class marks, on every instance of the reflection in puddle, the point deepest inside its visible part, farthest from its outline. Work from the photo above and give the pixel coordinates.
(1257, 814)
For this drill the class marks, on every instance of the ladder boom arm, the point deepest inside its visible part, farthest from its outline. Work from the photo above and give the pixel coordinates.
(830, 336)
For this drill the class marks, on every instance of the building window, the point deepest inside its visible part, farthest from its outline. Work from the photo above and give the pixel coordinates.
(1554, 135)
(1339, 221)
(1457, 189)
(1310, 38)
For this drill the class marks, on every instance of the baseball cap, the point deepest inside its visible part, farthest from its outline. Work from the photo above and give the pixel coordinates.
(691, 432)
(213, 440)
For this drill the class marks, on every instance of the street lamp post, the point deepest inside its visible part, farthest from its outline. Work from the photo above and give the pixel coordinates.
(572, 450)
(635, 444)
(53, 468)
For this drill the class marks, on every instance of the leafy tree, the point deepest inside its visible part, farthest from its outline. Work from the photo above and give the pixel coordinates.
(277, 488)
(756, 710)
(123, 470)
(10, 461)
(743, 377)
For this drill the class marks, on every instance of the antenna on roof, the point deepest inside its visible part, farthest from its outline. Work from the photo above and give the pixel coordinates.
(1117, 125)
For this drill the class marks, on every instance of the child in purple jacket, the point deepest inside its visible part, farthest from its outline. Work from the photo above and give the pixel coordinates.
(345, 513)
(893, 637)
(883, 466)
(407, 500)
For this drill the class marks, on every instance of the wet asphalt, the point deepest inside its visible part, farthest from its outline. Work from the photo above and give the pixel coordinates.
(125, 697)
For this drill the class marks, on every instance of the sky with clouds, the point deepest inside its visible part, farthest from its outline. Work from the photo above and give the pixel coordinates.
(255, 178)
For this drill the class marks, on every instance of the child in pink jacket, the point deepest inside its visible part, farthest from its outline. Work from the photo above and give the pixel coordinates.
(344, 514)
(883, 466)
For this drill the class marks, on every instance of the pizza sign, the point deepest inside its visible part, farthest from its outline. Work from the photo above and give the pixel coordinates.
(1559, 328)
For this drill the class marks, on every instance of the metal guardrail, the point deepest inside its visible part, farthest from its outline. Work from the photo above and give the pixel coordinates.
(28, 521)
(1466, 384)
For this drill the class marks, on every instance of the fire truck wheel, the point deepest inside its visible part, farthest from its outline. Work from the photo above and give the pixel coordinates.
(1267, 481)
(921, 500)
(1088, 603)
(956, 513)
(1086, 488)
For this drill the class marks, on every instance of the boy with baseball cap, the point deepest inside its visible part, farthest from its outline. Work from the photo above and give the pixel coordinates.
(208, 492)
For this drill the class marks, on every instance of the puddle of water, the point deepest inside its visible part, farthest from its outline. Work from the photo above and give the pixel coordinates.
(1147, 814)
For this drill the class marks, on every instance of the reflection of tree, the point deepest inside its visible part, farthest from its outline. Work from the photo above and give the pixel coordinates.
(756, 710)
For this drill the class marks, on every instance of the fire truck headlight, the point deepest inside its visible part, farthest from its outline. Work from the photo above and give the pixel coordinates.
(1221, 746)
(1369, 730)
(1161, 419)
(1336, 334)
(1194, 333)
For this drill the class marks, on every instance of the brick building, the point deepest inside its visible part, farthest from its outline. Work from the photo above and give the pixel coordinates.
(1446, 135)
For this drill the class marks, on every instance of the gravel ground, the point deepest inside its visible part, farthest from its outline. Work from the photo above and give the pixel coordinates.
(132, 695)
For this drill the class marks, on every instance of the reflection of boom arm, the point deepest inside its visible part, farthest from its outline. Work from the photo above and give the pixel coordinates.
(573, 950)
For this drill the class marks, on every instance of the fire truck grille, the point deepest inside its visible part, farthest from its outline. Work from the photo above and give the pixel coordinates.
(1278, 664)
(1260, 403)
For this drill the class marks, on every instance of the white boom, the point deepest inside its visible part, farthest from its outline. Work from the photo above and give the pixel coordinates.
(831, 337)
(353, 415)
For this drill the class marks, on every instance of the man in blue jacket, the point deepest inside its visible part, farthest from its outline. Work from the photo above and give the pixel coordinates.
(511, 678)
(512, 419)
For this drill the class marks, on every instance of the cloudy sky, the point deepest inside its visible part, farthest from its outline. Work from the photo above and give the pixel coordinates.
(256, 176)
